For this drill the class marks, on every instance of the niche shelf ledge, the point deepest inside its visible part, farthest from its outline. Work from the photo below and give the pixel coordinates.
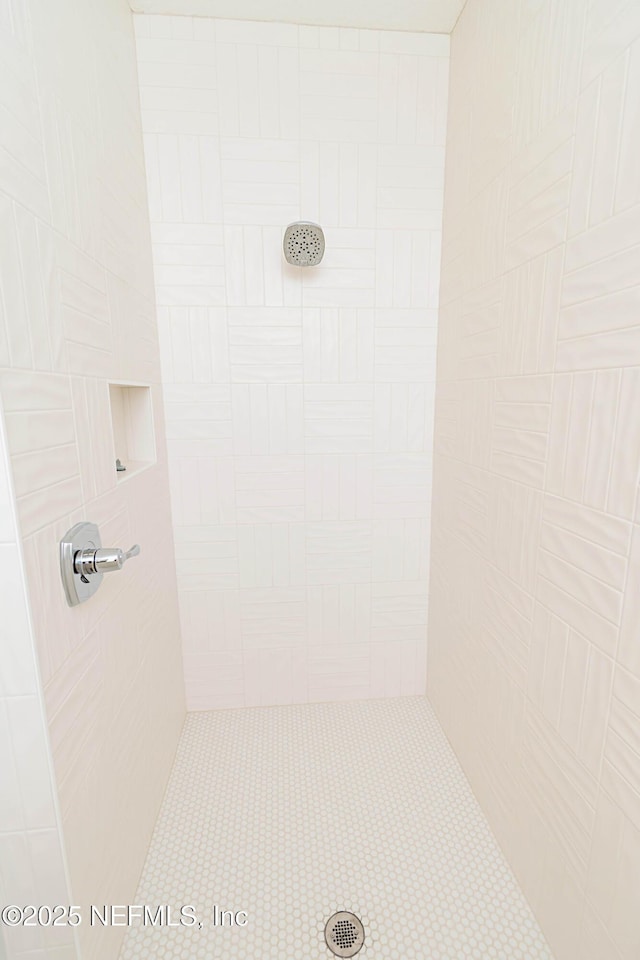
(132, 428)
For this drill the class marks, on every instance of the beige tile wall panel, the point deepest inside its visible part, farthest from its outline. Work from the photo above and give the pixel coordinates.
(534, 630)
(77, 310)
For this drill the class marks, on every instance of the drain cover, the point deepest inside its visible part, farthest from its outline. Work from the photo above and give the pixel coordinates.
(344, 934)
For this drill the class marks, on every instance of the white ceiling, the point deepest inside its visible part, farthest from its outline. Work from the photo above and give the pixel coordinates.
(432, 16)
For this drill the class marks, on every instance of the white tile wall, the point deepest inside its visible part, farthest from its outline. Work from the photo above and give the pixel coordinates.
(299, 403)
(77, 310)
(534, 660)
(32, 859)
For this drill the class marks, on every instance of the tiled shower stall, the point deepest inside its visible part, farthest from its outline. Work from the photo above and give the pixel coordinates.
(299, 403)
(409, 472)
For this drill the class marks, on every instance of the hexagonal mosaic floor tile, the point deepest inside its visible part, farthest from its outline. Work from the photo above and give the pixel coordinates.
(293, 813)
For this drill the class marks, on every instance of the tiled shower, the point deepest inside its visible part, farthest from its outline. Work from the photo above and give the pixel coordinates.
(299, 402)
(380, 651)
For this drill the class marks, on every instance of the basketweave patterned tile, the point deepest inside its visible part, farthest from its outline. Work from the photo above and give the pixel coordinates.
(293, 813)
(533, 630)
(283, 385)
(77, 312)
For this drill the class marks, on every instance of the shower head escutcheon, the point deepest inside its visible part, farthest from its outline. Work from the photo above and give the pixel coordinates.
(303, 244)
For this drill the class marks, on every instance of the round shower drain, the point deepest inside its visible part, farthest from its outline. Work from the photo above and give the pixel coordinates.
(344, 934)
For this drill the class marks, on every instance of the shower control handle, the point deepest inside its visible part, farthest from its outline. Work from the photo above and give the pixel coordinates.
(83, 561)
(103, 560)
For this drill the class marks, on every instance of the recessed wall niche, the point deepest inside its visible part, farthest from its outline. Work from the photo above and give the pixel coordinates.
(134, 446)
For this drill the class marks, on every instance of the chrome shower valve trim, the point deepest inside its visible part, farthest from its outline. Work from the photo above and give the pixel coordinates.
(83, 561)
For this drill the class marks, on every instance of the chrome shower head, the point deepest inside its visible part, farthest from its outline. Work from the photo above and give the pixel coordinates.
(303, 244)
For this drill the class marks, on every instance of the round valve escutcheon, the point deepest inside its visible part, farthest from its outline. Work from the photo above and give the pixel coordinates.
(83, 561)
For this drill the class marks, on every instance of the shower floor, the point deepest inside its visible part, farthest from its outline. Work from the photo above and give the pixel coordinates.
(293, 813)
